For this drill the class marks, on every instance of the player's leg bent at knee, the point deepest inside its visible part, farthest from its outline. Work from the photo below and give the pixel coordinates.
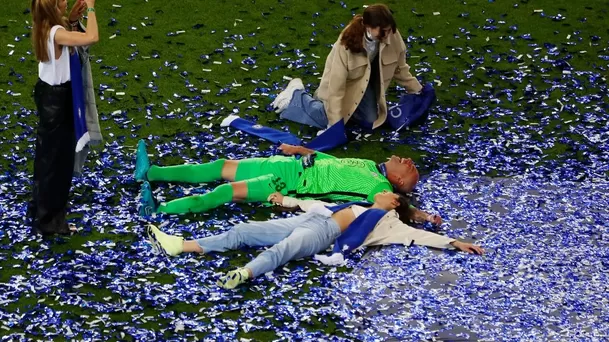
(251, 190)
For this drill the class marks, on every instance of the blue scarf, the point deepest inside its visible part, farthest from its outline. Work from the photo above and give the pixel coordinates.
(78, 103)
(358, 230)
(382, 169)
(329, 139)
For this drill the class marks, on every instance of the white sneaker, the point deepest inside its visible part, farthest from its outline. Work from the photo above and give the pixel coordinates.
(233, 278)
(282, 100)
(164, 243)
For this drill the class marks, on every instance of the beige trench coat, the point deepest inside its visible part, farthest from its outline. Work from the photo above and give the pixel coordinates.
(346, 76)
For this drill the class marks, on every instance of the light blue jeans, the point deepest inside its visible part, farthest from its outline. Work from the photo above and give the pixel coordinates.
(292, 238)
(307, 110)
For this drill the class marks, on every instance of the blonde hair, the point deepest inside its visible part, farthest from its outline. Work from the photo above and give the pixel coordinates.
(44, 16)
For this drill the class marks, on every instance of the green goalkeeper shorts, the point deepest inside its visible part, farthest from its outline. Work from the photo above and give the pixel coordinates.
(265, 176)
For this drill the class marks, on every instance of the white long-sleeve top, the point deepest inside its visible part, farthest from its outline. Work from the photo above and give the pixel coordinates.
(388, 231)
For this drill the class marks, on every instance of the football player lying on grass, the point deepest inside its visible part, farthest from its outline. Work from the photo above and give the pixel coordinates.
(347, 226)
(315, 175)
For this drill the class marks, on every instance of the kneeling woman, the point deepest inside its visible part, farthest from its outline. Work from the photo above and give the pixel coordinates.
(308, 234)
(369, 54)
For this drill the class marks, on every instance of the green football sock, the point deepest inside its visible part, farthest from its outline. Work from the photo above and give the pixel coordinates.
(187, 173)
(199, 203)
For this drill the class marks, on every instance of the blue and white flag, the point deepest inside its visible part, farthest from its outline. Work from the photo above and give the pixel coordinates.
(332, 137)
(412, 108)
(267, 133)
(78, 102)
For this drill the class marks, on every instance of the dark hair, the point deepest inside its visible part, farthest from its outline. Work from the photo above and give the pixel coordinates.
(282, 209)
(405, 212)
(377, 15)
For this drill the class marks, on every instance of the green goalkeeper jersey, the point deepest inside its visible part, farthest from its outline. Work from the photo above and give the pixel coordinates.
(341, 179)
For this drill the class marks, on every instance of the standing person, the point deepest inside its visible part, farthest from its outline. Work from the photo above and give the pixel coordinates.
(55, 136)
(367, 56)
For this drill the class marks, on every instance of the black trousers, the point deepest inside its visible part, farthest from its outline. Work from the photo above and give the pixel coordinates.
(54, 158)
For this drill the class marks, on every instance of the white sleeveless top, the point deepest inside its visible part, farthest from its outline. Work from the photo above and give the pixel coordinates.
(55, 72)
